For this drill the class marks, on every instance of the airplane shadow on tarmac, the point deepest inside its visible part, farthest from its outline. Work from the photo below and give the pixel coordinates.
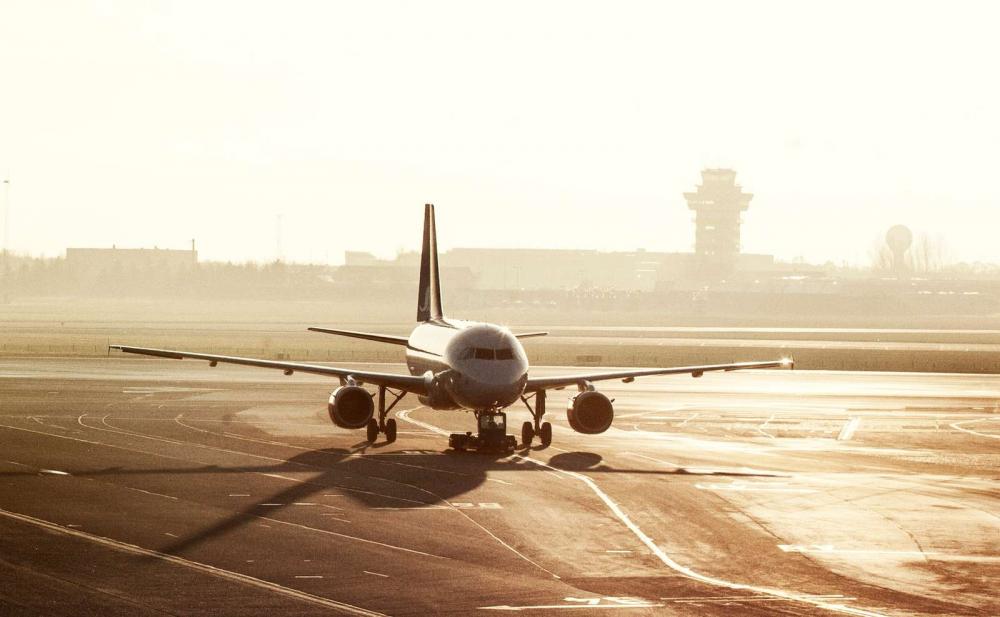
(397, 480)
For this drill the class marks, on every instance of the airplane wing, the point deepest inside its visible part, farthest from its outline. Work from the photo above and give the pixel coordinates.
(547, 383)
(410, 383)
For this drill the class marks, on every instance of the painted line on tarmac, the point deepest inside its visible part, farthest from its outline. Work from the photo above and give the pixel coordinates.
(289, 523)
(688, 420)
(826, 549)
(124, 547)
(686, 571)
(655, 460)
(747, 471)
(760, 429)
(539, 607)
(958, 427)
(405, 415)
(847, 432)
(740, 486)
(661, 555)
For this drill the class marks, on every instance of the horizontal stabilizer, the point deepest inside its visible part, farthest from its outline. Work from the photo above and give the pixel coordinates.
(530, 334)
(381, 338)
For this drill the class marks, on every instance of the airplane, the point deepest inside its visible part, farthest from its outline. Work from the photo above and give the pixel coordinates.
(459, 365)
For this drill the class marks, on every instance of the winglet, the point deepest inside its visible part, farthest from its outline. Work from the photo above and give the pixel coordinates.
(429, 293)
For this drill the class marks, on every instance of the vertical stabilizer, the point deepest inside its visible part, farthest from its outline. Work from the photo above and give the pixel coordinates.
(429, 294)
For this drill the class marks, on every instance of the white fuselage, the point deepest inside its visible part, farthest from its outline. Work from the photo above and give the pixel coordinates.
(472, 365)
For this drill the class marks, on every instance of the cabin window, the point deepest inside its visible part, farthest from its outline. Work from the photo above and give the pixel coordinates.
(505, 353)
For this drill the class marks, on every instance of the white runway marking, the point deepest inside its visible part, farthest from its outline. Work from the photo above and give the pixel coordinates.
(692, 417)
(748, 487)
(461, 505)
(829, 549)
(139, 490)
(53, 472)
(405, 415)
(761, 428)
(194, 565)
(958, 427)
(661, 555)
(38, 420)
(376, 574)
(608, 602)
(305, 527)
(655, 460)
(344, 488)
(847, 432)
(731, 599)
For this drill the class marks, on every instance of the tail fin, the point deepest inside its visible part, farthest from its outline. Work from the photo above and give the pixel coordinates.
(429, 294)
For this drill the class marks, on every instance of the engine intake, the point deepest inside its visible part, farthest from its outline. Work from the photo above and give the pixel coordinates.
(590, 413)
(351, 407)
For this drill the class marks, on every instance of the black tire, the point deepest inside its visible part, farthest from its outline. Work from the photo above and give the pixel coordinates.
(546, 434)
(390, 430)
(527, 434)
(372, 430)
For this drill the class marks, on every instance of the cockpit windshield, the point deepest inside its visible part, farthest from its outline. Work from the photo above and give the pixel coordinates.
(485, 353)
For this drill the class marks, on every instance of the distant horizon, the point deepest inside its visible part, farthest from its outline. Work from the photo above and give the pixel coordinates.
(415, 252)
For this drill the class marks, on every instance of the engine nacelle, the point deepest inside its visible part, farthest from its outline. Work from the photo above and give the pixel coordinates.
(590, 413)
(351, 407)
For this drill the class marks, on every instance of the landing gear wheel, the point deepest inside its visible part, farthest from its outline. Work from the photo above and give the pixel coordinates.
(372, 430)
(390, 430)
(527, 434)
(546, 434)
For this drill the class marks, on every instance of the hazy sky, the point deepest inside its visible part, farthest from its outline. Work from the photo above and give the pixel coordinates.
(535, 124)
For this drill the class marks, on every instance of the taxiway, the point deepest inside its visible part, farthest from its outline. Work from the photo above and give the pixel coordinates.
(148, 487)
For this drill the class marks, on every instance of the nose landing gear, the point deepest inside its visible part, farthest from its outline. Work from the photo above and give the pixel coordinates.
(542, 429)
(492, 435)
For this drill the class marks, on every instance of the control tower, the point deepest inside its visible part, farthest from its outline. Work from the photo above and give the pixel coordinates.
(718, 204)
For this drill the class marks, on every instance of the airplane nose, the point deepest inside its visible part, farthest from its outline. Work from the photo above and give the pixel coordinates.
(475, 393)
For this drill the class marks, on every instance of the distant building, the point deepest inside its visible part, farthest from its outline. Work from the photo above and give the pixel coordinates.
(534, 269)
(85, 260)
(718, 204)
(363, 269)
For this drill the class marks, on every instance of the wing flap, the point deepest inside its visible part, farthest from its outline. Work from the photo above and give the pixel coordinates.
(410, 383)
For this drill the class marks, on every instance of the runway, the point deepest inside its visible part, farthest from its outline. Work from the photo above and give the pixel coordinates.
(150, 487)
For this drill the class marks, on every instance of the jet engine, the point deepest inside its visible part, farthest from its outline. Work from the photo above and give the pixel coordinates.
(351, 407)
(590, 412)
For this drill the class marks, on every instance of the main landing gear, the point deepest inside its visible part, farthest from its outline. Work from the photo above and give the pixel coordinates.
(530, 429)
(387, 427)
(492, 435)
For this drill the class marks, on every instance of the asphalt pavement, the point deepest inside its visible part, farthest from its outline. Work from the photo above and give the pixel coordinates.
(134, 486)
